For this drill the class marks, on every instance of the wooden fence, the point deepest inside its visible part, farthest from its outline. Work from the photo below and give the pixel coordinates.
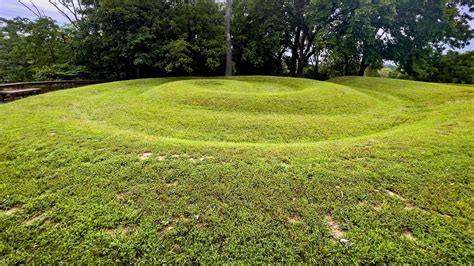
(13, 91)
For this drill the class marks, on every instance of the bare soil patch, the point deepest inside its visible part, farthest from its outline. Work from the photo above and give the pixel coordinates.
(395, 195)
(336, 230)
(12, 210)
(294, 218)
(121, 229)
(145, 156)
(35, 219)
(408, 235)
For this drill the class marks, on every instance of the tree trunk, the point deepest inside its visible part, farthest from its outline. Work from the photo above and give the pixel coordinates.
(228, 17)
(363, 64)
(316, 65)
(294, 53)
(362, 69)
(301, 56)
(292, 65)
(303, 37)
(345, 66)
(301, 65)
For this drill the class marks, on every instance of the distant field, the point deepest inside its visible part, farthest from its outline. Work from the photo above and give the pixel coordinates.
(252, 169)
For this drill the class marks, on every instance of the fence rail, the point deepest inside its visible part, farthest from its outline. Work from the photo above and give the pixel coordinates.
(14, 91)
(55, 82)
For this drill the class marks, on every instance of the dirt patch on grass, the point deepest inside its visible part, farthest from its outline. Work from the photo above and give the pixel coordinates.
(294, 219)
(172, 184)
(186, 221)
(357, 159)
(446, 215)
(177, 156)
(408, 206)
(122, 196)
(120, 230)
(145, 156)
(35, 219)
(12, 210)
(408, 235)
(200, 159)
(377, 206)
(193, 159)
(336, 230)
(51, 223)
(169, 227)
(201, 225)
(395, 195)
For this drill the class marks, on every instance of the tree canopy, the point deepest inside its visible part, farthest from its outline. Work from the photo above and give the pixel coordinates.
(123, 39)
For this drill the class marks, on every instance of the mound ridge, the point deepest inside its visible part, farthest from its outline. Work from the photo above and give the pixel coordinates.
(259, 110)
(273, 96)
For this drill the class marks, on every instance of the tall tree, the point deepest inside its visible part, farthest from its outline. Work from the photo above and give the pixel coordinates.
(121, 39)
(28, 46)
(132, 39)
(258, 31)
(421, 27)
(228, 18)
(363, 39)
(308, 21)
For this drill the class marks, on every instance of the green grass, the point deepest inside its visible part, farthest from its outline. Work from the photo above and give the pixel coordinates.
(252, 169)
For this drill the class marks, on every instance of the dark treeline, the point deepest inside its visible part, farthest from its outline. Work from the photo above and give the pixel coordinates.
(124, 39)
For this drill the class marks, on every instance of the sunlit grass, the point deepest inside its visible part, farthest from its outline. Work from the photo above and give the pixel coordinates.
(252, 169)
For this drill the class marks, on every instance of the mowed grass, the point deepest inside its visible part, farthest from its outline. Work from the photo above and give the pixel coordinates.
(251, 169)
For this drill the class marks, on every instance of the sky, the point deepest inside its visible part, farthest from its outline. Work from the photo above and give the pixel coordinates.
(11, 9)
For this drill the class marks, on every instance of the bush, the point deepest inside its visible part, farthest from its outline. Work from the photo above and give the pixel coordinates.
(60, 72)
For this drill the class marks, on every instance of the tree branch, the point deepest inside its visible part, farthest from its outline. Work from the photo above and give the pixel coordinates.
(55, 4)
(36, 13)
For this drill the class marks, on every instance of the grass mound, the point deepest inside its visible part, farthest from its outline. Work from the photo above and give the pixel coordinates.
(249, 169)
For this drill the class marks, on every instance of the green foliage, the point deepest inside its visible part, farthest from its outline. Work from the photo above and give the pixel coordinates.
(421, 29)
(133, 39)
(60, 72)
(450, 68)
(258, 30)
(124, 39)
(199, 40)
(27, 46)
(178, 56)
(121, 41)
(387, 72)
(249, 170)
(363, 39)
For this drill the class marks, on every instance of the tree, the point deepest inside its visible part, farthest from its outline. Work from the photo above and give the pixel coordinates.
(423, 27)
(130, 39)
(258, 44)
(228, 18)
(122, 39)
(309, 21)
(451, 67)
(27, 46)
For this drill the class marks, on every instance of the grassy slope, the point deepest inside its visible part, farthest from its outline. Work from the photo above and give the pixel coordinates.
(250, 169)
